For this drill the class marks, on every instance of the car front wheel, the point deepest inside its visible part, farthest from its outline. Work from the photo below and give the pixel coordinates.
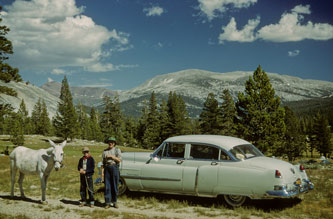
(122, 188)
(234, 200)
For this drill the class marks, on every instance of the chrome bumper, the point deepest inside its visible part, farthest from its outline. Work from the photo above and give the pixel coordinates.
(298, 189)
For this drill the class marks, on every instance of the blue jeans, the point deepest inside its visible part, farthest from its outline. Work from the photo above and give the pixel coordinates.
(84, 187)
(111, 180)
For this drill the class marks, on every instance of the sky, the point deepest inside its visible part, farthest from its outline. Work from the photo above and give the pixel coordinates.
(120, 44)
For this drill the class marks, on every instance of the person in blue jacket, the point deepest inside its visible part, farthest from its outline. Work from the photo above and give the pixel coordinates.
(86, 167)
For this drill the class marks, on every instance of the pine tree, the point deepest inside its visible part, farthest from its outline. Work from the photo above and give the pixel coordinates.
(151, 137)
(322, 135)
(210, 119)
(5, 112)
(16, 130)
(165, 123)
(96, 132)
(65, 120)
(40, 119)
(228, 114)
(45, 122)
(83, 123)
(7, 72)
(260, 117)
(311, 136)
(180, 123)
(117, 120)
(25, 119)
(36, 117)
(294, 144)
(130, 132)
(105, 121)
(143, 122)
(112, 122)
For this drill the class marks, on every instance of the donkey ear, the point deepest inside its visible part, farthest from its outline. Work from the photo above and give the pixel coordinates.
(63, 144)
(52, 143)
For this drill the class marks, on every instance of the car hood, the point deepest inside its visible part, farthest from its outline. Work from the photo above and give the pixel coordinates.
(136, 156)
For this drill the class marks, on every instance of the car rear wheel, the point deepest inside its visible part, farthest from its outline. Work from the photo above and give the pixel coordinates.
(234, 200)
(122, 187)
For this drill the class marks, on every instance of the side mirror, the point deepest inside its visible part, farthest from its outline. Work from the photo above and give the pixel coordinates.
(153, 157)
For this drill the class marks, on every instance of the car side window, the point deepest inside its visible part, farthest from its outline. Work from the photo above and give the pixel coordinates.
(204, 152)
(174, 150)
(224, 156)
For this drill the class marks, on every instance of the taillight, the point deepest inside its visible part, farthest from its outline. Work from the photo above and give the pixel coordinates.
(301, 168)
(277, 174)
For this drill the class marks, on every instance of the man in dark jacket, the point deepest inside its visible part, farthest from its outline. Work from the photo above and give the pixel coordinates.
(86, 167)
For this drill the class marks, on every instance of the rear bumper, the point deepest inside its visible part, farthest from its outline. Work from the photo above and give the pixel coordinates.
(296, 190)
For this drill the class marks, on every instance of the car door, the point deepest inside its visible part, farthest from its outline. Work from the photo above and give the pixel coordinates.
(165, 172)
(201, 173)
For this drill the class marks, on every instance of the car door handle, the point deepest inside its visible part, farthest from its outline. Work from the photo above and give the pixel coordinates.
(180, 161)
(213, 163)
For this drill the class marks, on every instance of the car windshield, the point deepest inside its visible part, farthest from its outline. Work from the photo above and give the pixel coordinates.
(246, 151)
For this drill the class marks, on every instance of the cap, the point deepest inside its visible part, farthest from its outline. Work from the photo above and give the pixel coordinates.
(85, 149)
(111, 139)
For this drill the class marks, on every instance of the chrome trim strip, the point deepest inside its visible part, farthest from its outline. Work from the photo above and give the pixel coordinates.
(149, 178)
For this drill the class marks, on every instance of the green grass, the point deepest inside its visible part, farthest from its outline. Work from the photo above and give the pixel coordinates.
(64, 184)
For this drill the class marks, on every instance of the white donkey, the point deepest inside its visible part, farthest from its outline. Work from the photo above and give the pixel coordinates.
(38, 162)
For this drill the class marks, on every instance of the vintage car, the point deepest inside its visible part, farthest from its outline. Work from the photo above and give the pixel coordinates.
(212, 166)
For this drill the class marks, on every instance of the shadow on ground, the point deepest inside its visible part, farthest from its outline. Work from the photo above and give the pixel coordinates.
(77, 203)
(266, 205)
(20, 199)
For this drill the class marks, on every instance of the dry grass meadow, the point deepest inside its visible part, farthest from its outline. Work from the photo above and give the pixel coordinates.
(64, 185)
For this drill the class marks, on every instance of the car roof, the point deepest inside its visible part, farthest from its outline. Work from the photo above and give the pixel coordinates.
(226, 142)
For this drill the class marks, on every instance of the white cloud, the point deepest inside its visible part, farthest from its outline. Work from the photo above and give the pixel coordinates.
(293, 53)
(212, 8)
(99, 67)
(289, 29)
(230, 32)
(55, 34)
(153, 11)
(58, 71)
(301, 9)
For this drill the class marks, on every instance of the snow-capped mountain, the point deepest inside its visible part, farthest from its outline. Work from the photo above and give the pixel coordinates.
(197, 84)
(193, 85)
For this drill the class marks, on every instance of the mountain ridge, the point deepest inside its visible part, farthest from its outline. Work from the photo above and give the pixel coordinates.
(193, 85)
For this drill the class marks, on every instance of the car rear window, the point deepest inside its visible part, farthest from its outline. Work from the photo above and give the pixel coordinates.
(206, 152)
(245, 151)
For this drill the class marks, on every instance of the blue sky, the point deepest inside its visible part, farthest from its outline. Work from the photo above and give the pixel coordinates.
(119, 44)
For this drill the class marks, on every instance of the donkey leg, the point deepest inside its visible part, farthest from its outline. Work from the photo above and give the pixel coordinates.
(43, 186)
(13, 170)
(20, 181)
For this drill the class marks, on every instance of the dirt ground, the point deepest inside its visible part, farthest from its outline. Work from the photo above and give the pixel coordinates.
(65, 208)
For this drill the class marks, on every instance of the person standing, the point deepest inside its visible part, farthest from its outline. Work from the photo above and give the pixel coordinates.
(110, 171)
(86, 166)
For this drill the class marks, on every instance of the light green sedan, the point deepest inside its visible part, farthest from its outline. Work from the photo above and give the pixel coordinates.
(212, 166)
